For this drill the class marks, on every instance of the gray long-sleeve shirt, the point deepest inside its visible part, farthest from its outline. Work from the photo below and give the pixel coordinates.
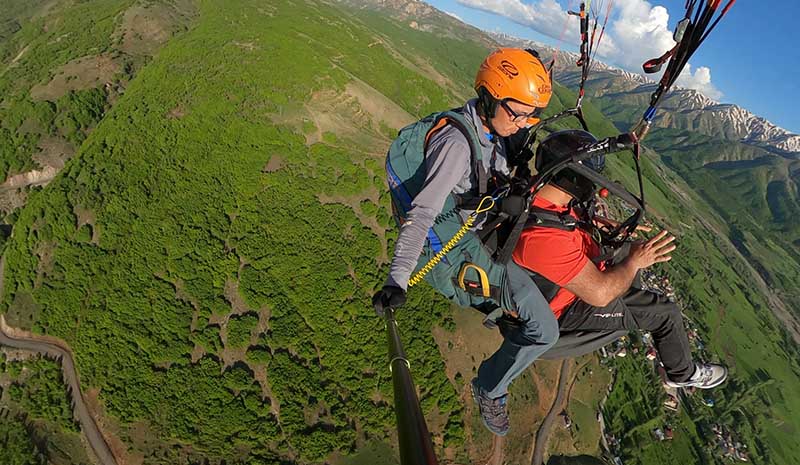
(448, 170)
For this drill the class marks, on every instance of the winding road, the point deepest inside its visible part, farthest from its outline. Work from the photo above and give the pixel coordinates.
(11, 337)
(544, 430)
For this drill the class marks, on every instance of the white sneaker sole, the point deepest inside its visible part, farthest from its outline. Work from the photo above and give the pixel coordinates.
(716, 383)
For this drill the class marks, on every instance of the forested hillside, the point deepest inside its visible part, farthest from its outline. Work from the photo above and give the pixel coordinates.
(191, 253)
(210, 249)
(62, 66)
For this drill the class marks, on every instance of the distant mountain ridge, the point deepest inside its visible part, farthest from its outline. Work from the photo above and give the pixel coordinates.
(690, 108)
(424, 17)
(683, 108)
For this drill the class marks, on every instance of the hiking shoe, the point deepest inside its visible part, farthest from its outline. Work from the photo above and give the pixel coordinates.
(706, 376)
(493, 411)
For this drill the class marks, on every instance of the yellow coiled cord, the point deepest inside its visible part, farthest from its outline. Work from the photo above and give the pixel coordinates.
(417, 278)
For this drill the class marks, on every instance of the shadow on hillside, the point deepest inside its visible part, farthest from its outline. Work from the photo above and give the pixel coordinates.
(574, 460)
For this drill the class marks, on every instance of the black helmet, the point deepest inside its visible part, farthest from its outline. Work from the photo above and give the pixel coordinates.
(562, 144)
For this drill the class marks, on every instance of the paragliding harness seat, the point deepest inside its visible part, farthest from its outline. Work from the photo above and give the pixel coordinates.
(454, 260)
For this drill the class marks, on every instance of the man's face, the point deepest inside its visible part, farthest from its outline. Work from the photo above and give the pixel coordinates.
(510, 117)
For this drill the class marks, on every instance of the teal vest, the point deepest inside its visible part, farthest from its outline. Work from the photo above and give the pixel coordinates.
(405, 169)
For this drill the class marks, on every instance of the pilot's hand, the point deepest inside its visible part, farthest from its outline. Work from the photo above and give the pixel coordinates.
(389, 297)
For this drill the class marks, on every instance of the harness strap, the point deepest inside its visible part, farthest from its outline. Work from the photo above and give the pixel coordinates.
(466, 201)
(507, 249)
(479, 285)
(540, 217)
(474, 288)
(606, 253)
(457, 120)
(548, 288)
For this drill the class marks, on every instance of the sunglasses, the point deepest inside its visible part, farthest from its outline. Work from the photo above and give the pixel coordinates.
(532, 117)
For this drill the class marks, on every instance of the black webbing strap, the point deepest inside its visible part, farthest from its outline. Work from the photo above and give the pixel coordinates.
(503, 254)
(540, 217)
(530, 218)
(548, 288)
(466, 201)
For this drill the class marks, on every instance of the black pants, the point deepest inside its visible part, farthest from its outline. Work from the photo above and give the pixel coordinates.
(639, 310)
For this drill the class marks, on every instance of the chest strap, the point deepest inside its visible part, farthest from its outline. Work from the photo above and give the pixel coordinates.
(540, 217)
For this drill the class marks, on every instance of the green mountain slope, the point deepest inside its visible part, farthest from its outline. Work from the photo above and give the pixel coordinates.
(62, 66)
(210, 252)
(192, 253)
(753, 190)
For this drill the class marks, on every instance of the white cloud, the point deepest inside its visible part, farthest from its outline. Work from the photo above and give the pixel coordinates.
(641, 32)
(636, 32)
(699, 80)
(545, 16)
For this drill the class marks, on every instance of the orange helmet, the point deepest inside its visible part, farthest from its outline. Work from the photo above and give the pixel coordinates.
(513, 74)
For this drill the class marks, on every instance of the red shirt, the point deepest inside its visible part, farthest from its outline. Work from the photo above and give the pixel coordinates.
(556, 254)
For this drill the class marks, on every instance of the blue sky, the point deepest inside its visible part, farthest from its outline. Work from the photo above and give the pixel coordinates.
(751, 59)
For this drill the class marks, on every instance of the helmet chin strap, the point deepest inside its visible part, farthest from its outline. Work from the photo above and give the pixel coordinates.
(488, 125)
(483, 99)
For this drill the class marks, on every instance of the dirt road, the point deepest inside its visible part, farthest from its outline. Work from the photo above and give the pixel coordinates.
(544, 430)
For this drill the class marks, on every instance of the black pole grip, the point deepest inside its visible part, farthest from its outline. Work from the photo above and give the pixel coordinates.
(414, 439)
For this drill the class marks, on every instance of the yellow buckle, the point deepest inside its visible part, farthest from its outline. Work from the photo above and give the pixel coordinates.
(484, 278)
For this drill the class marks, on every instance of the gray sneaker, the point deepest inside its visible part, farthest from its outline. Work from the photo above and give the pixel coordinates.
(493, 411)
(706, 376)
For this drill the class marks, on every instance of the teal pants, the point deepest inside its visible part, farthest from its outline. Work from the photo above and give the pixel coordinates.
(523, 343)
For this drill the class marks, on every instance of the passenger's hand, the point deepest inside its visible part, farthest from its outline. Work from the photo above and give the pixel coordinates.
(641, 228)
(655, 250)
(389, 297)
